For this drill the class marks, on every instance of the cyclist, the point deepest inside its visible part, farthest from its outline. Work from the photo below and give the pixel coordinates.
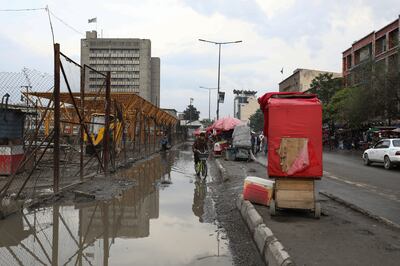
(200, 145)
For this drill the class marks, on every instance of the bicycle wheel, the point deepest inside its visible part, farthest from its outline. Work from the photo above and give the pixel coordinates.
(198, 168)
(204, 169)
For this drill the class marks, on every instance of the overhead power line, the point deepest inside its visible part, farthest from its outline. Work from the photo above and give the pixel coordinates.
(47, 9)
(22, 9)
(65, 23)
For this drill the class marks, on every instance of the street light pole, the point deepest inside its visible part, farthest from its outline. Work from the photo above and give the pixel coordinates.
(190, 110)
(209, 100)
(219, 77)
(219, 66)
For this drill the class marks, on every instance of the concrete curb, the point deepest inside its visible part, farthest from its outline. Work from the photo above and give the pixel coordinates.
(270, 248)
(360, 210)
(222, 170)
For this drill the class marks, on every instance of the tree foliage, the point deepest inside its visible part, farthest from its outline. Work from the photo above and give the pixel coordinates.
(206, 122)
(380, 89)
(191, 113)
(325, 86)
(257, 121)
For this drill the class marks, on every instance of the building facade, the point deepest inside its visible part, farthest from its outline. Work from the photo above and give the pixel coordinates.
(380, 47)
(301, 79)
(245, 104)
(130, 62)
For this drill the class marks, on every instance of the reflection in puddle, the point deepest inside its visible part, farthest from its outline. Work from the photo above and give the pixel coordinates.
(157, 222)
(200, 192)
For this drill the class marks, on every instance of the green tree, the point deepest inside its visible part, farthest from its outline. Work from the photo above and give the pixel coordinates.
(380, 87)
(325, 86)
(191, 113)
(206, 122)
(347, 107)
(257, 121)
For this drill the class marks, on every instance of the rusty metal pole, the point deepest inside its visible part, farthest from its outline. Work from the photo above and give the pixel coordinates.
(106, 147)
(82, 129)
(144, 135)
(115, 139)
(106, 221)
(124, 139)
(140, 131)
(56, 139)
(155, 135)
(135, 133)
(147, 136)
(54, 250)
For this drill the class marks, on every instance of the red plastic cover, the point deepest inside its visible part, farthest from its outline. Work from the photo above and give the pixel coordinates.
(293, 115)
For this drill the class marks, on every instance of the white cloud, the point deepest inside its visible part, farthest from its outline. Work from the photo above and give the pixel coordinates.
(272, 7)
(289, 37)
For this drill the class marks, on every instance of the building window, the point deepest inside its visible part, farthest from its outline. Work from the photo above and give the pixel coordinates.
(348, 61)
(363, 54)
(393, 38)
(380, 45)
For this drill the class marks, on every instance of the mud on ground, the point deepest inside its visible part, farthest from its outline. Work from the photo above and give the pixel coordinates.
(244, 250)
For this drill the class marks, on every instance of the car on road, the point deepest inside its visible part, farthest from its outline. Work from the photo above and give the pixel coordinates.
(386, 151)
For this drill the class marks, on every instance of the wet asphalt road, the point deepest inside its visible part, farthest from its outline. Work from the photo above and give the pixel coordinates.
(370, 187)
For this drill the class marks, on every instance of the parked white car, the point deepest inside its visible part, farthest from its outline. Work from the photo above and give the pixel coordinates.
(386, 151)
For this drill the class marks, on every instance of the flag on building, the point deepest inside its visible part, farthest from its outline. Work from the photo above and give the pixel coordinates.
(92, 20)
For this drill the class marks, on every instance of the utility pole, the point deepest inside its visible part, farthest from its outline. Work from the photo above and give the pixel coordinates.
(219, 66)
(190, 110)
(209, 100)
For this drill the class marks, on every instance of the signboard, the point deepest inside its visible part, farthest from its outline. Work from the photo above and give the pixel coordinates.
(221, 97)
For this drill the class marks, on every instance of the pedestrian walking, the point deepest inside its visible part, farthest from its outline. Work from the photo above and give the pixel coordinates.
(253, 142)
(258, 143)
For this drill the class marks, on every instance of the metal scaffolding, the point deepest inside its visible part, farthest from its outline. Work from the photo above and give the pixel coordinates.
(65, 140)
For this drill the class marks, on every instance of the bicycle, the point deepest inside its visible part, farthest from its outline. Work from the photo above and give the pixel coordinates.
(201, 166)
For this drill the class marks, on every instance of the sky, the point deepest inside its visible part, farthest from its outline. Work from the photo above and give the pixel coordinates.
(286, 34)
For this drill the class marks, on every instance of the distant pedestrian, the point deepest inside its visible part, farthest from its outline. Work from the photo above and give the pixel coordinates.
(258, 144)
(265, 145)
(253, 142)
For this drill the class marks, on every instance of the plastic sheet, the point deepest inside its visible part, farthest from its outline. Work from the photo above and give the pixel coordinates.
(241, 137)
(293, 116)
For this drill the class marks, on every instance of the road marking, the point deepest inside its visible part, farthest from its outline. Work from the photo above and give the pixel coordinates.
(370, 188)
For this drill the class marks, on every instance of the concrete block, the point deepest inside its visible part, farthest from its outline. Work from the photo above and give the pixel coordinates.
(275, 255)
(253, 219)
(262, 236)
(239, 202)
(243, 210)
(222, 170)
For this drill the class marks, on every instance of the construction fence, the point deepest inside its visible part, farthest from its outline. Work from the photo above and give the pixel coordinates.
(77, 132)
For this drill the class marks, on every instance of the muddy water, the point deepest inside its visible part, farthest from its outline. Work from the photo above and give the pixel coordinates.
(166, 219)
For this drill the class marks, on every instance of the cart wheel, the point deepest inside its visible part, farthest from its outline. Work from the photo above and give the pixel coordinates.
(317, 211)
(272, 207)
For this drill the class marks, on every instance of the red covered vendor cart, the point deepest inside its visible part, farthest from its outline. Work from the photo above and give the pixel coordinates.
(293, 126)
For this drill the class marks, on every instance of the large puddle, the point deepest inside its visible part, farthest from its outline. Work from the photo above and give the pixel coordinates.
(166, 219)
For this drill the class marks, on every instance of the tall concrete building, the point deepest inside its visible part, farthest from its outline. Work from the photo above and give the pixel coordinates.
(301, 79)
(130, 62)
(155, 80)
(245, 104)
(380, 47)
